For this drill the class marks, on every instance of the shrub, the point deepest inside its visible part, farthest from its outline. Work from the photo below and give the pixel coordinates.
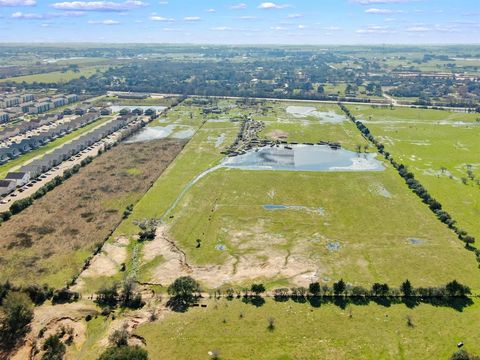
(62, 296)
(54, 348)
(124, 353)
(17, 312)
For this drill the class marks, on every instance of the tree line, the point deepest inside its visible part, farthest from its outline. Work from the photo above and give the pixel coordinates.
(417, 188)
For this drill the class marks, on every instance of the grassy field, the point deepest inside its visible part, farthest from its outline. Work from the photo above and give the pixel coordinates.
(49, 241)
(167, 101)
(56, 76)
(440, 147)
(371, 217)
(199, 155)
(342, 225)
(281, 124)
(364, 227)
(22, 159)
(239, 331)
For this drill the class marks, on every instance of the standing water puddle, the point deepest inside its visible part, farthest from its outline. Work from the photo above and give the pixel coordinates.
(161, 132)
(328, 117)
(304, 158)
(297, 158)
(318, 211)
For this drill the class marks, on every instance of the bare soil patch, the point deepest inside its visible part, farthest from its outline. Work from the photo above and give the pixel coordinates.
(270, 263)
(49, 241)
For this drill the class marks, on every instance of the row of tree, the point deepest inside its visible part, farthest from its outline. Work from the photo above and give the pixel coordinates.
(20, 205)
(434, 205)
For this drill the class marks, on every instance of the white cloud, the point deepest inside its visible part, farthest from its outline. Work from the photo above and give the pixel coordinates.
(28, 16)
(295, 16)
(98, 5)
(211, 10)
(192, 18)
(155, 17)
(247, 17)
(418, 29)
(379, 11)
(375, 29)
(372, 2)
(271, 5)
(104, 22)
(18, 3)
(239, 6)
(221, 28)
(278, 28)
(332, 28)
(37, 16)
(301, 27)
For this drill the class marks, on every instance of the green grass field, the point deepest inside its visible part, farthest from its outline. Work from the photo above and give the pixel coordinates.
(56, 76)
(440, 147)
(369, 218)
(364, 227)
(239, 331)
(281, 124)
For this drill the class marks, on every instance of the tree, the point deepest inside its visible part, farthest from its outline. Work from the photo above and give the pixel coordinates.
(16, 314)
(107, 296)
(119, 337)
(463, 355)
(314, 288)
(454, 288)
(339, 287)
(124, 353)
(54, 348)
(380, 289)
(406, 288)
(257, 289)
(184, 287)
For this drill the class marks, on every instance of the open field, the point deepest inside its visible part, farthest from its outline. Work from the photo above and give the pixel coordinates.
(441, 148)
(279, 124)
(57, 76)
(22, 159)
(336, 225)
(49, 241)
(156, 101)
(239, 331)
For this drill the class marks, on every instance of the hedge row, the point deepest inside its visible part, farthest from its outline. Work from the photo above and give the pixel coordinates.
(434, 205)
(20, 205)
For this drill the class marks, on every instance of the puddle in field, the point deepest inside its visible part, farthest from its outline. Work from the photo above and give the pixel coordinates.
(149, 133)
(414, 241)
(379, 189)
(220, 247)
(183, 134)
(311, 210)
(328, 117)
(297, 158)
(220, 140)
(304, 158)
(333, 246)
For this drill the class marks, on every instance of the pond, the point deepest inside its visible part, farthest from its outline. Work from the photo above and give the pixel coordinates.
(327, 117)
(161, 132)
(304, 158)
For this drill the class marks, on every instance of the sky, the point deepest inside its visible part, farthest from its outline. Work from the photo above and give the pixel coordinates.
(245, 22)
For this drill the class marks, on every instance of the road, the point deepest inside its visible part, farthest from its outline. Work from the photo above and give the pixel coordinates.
(58, 170)
(456, 109)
